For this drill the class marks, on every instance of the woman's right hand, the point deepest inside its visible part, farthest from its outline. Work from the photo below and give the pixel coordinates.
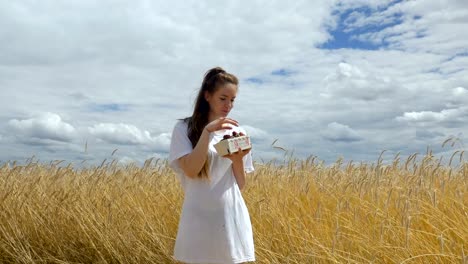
(220, 124)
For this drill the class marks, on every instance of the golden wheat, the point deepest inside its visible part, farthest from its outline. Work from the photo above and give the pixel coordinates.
(302, 211)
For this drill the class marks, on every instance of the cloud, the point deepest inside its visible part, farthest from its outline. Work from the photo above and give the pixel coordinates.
(445, 115)
(113, 107)
(255, 133)
(47, 127)
(457, 97)
(460, 92)
(79, 96)
(339, 132)
(429, 26)
(126, 160)
(351, 82)
(420, 133)
(129, 135)
(154, 156)
(47, 33)
(124, 72)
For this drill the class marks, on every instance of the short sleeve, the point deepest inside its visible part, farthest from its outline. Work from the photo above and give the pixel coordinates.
(248, 163)
(180, 146)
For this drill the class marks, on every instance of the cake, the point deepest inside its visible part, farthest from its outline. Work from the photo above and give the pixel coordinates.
(231, 143)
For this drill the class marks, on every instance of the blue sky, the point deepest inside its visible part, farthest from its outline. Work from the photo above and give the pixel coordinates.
(324, 78)
(343, 36)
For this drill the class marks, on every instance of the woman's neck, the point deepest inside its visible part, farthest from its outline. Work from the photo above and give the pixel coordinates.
(212, 117)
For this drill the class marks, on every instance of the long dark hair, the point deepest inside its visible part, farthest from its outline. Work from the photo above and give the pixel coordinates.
(214, 78)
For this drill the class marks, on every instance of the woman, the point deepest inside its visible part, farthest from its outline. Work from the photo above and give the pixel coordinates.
(215, 225)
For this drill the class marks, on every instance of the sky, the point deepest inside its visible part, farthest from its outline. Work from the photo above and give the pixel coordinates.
(83, 81)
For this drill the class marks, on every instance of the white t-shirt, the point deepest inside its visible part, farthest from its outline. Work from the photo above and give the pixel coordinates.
(214, 225)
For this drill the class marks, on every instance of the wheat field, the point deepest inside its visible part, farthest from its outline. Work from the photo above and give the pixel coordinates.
(302, 211)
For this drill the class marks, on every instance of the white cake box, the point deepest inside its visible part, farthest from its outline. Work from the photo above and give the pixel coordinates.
(231, 145)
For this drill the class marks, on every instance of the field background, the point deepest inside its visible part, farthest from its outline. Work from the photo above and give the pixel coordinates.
(302, 211)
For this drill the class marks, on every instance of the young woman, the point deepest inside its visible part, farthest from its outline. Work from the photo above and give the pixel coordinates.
(215, 225)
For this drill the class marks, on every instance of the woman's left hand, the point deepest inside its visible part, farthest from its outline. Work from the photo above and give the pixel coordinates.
(237, 156)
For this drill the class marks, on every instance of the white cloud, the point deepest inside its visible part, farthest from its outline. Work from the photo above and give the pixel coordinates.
(129, 135)
(460, 92)
(417, 26)
(351, 82)
(423, 133)
(154, 156)
(339, 132)
(458, 97)
(48, 33)
(127, 160)
(255, 133)
(108, 65)
(46, 126)
(429, 116)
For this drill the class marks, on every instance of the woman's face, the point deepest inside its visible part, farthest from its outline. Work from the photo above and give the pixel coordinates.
(222, 100)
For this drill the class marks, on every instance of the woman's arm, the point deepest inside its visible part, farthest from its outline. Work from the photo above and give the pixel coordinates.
(192, 163)
(238, 166)
(239, 173)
